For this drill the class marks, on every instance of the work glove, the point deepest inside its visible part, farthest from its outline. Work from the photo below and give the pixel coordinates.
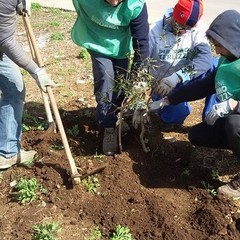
(165, 85)
(24, 7)
(139, 117)
(158, 104)
(222, 109)
(42, 79)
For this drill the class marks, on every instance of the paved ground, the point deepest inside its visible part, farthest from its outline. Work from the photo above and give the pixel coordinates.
(156, 8)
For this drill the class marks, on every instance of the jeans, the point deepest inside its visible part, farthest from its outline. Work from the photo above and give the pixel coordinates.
(12, 95)
(106, 73)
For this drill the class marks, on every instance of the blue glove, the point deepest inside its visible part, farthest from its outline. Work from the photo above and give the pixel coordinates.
(222, 109)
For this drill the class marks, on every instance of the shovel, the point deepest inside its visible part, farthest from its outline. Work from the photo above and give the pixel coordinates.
(75, 176)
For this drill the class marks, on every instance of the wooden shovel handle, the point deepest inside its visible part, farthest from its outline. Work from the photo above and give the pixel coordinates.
(37, 58)
(74, 173)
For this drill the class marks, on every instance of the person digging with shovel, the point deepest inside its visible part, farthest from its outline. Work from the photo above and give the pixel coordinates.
(12, 89)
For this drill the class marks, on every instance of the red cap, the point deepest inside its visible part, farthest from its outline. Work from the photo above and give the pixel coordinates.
(188, 12)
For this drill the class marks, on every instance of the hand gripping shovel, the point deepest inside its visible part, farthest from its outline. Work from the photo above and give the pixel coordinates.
(75, 176)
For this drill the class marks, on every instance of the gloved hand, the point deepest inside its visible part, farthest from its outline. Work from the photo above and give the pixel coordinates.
(139, 116)
(158, 104)
(222, 109)
(43, 79)
(165, 85)
(24, 7)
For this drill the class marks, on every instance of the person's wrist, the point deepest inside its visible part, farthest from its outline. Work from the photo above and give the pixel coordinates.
(234, 105)
(166, 100)
(237, 108)
(179, 78)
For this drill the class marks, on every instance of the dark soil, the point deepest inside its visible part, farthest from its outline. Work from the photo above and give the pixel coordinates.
(158, 195)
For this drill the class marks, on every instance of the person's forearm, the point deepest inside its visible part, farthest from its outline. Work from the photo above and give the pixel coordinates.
(194, 90)
(234, 105)
(15, 52)
(139, 30)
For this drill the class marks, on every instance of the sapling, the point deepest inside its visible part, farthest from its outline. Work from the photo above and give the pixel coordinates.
(136, 96)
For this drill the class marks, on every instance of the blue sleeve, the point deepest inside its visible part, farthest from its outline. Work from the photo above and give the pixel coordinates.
(193, 90)
(139, 30)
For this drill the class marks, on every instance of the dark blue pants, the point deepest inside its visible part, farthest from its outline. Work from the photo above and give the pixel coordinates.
(106, 73)
(224, 134)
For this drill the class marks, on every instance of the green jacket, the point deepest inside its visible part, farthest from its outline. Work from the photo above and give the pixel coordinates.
(103, 28)
(227, 80)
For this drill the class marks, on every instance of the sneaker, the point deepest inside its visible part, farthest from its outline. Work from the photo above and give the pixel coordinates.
(231, 190)
(109, 141)
(24, 157)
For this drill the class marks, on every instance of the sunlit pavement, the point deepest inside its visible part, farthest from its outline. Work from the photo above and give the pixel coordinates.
(156, 8)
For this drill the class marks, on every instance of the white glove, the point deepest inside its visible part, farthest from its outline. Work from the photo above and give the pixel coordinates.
(158, 104)
(165, 85)
(24, 7)
(222, 109)
(139, 117)
(42, 79)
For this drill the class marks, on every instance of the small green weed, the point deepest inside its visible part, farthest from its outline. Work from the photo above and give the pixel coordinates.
(48, 231)
(67, 94)
(91, 183)
(36, 6)
(73, 131)
(84, 54)
(95, 234)
(54, 23)
(121, 233)
(27, 190)
(99, 156)
(209, 188)
(87, 113)
(56, 36)
(185, 172)
(32, 123)
(215, 174)
(56, 147)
